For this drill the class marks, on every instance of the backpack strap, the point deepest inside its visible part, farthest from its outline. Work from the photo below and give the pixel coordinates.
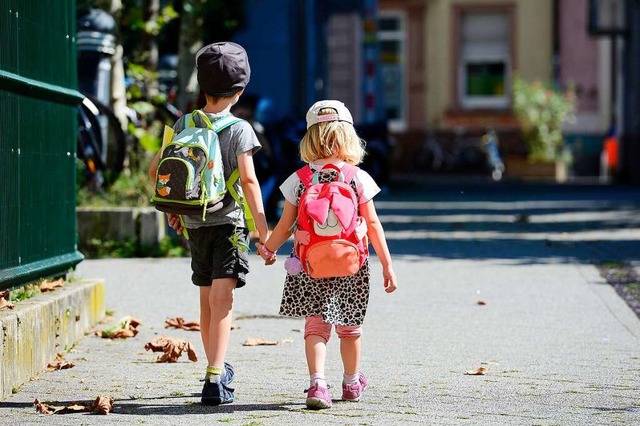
(235, 175)
(305, 174)
(217, 125)
(349, 172)
(223, 122)
(190, 121)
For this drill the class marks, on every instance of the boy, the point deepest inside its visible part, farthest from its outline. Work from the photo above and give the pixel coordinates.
(219, 266)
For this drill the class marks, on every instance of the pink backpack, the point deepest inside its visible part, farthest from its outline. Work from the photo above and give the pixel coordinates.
(331, 236)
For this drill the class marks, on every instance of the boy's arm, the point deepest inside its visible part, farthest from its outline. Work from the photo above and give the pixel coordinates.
(379, 242)
(153, 167)
(252, 193)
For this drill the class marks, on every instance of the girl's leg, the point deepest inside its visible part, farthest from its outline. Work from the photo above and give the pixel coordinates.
(316, 350)
(353, 381)
(350, 351)
(316, 335)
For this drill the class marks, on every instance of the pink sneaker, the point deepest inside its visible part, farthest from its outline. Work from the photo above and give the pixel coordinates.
(354, 392)
(318, 397)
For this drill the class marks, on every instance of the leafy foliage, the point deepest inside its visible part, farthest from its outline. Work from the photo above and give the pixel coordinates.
(542, 111)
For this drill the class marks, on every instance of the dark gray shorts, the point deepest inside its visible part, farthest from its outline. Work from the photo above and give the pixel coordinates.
(213, 256)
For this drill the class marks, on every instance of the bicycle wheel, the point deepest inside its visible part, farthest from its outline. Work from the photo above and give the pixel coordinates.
(89, 146)
(113, 148)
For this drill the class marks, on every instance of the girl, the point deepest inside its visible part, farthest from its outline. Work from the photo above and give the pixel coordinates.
(330, 139)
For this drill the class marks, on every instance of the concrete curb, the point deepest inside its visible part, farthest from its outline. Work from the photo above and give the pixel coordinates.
(36, 329)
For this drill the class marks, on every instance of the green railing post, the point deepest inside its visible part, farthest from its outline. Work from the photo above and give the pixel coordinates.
(38, 136)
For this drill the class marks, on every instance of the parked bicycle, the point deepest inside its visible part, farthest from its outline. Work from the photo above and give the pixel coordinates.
(464, 153)
(101, 143)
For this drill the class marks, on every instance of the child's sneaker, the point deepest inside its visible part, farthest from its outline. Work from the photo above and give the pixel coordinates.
(318, 397)
(219, 393)
(354, 392)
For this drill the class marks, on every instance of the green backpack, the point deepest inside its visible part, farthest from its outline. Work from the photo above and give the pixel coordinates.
(190, 175)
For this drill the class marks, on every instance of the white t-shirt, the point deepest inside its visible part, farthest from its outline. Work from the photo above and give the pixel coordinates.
(366, 187)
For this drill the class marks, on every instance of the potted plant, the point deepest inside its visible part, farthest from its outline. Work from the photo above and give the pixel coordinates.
(542, 112)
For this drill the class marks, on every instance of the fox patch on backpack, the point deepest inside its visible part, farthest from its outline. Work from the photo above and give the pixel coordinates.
(190, 176)
(331, 237)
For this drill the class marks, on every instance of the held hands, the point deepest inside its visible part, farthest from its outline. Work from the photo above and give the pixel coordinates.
(268, 256)
(390, 284)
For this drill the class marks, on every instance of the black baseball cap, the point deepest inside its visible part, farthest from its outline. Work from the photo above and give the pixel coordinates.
(223, 69)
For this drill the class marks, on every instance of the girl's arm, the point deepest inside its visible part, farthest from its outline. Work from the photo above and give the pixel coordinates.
(252, 193)
(280, 233)
(379, 242)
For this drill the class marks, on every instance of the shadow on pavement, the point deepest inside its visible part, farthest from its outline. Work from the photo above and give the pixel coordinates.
(526, 223)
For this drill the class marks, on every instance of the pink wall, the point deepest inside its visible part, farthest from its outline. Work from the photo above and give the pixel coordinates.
(578, 53)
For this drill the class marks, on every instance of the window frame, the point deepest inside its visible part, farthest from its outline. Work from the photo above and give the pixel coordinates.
(398, 124)
(461, 100)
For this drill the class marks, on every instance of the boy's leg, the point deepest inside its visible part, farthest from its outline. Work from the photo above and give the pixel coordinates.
(221, 308)
(205, 320)
(217, 301)
(216, 309)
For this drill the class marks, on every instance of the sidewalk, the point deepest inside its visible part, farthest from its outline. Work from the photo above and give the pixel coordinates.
(560, 346)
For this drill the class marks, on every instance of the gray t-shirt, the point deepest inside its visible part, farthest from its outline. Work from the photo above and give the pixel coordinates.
(234, 140)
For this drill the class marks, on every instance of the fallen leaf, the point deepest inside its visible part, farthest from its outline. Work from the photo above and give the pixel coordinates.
(4, 300)
(51, 285)
(481, 302)
(179, 322)
(479, 372)
(172, 349)
(101, 405)
(60, 364)
(258, 341)
(126, 327)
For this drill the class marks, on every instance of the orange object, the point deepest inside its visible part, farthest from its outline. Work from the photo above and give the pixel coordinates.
(611, 150)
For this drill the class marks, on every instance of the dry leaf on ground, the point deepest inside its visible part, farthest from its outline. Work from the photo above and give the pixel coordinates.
(172, 349)
(101, 405)
(478, 372)
(179, 322)
(4, 300)
(60, 363)
(481, 302)
(259, 341)
(126, 327)
(51, 285)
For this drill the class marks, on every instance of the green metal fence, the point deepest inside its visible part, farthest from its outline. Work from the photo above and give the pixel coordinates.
(38, 127)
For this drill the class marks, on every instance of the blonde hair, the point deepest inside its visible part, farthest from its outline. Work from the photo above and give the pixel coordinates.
(332, 138)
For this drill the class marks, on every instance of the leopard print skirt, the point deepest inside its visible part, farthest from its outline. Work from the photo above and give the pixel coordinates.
(340, 301)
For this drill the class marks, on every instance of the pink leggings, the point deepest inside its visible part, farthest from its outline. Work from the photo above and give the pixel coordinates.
(314, 326)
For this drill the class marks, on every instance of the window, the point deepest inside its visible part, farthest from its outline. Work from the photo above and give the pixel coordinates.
(391, 36)
(484, 59)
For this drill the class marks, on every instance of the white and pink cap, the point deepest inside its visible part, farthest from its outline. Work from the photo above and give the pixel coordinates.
(341, 114)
